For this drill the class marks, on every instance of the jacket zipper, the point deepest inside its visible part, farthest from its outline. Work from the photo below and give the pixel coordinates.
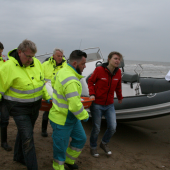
(109, 87)
(96, 90)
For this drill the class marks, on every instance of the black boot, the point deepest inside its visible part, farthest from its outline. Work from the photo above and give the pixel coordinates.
(4, 143)
(72, 167)
(44, 128)
(20, 161)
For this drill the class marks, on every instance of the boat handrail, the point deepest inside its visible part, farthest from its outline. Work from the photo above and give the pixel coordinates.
(90, 48)
(138, 73)
(43, 54)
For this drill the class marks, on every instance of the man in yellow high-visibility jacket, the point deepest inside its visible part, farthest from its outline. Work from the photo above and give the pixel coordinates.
(67, 111)
(22, 88)
(4, 113)
(50, 68)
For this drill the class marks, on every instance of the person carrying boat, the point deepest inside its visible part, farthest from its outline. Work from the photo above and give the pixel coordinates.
(50, 68)
(22, 87)
(4, 113)
(105, 80)
(67, 111)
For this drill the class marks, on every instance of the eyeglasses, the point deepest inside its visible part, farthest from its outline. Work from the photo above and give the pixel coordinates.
(28, 56)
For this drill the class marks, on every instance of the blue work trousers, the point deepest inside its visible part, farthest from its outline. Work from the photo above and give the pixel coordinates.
(61, 135)
(24, 145)
(97, 111)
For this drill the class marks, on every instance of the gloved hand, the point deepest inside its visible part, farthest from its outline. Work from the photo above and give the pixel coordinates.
(85, 120)
(48, 101)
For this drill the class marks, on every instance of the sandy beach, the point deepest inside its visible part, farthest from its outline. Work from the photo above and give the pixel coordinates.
(133, 148)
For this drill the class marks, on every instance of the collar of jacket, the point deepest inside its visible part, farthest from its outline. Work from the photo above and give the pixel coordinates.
(105, 66)
(74, 70)
(1, 58)
(51, 59)
(13, 55)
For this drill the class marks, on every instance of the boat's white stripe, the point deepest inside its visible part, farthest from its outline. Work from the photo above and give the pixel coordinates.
(145, 108)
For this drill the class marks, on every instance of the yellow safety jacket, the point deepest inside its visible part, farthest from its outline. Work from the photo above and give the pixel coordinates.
(22, 84)
(50, 68)
(66, 96)
(1, 61)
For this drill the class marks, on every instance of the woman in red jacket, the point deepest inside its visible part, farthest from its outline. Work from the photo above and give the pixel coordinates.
(102, 84)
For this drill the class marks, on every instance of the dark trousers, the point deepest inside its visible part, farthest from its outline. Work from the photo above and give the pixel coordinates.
(4, 115)
(45, 115)
(45, 121)
(4, 122)
(24, 146)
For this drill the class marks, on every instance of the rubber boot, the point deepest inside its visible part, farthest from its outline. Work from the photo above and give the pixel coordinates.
(4, 143)
(44, 128)
(72, 167)
(0, 119)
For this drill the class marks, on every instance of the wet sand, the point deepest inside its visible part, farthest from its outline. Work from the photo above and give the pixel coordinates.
(133, 148)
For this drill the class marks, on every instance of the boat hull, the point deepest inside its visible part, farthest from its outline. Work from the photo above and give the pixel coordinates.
(143, 107)
(146, 111)
(135, 108)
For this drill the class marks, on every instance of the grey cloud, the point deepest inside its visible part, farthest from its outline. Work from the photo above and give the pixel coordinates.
(138, 29)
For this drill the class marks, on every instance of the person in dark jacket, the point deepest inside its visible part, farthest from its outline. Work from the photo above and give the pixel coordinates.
(102, 84)
(1, 50)
(4, 126)
(4, 113)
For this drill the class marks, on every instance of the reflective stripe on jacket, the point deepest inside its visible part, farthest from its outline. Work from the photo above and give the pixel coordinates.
(66, 96)
(50, 68)
(22, 84)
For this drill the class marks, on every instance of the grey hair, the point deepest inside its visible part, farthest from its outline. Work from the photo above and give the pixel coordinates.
(27, 44)
(57, 49)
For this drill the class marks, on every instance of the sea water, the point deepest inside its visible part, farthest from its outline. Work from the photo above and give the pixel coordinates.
(149, 68)
(144, 68)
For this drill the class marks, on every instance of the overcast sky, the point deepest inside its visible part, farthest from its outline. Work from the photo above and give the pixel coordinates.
(139, 29)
